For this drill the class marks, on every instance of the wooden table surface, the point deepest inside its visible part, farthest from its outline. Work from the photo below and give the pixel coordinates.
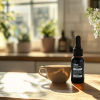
(15, 86)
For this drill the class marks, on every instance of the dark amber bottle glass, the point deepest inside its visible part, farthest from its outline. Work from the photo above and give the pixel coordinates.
(77, 69)
(77, 63)
(62, 43)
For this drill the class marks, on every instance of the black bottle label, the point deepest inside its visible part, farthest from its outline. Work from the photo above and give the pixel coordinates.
(78, 70)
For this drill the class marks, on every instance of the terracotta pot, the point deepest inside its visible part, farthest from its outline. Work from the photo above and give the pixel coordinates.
(48, 44)
(11, 47)
(24, 47)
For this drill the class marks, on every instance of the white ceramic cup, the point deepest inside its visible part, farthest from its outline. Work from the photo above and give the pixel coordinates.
(56, 73)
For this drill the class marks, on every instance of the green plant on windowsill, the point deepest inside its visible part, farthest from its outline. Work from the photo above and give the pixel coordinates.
(24, 44)
(5, 18)
(23, 37)
(48, 29)
(22, 33)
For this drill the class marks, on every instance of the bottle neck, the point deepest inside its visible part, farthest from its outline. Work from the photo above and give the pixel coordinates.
(63, 35)
(72, 34)
(78, 56)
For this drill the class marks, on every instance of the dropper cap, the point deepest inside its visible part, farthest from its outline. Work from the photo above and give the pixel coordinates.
(77, 50)
(63, 33)
(72, 33)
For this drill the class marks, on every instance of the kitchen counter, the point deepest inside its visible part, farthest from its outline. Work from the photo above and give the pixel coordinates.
(39, 56)
(35, 87)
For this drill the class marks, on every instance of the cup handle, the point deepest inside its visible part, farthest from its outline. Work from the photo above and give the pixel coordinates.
(39, 71)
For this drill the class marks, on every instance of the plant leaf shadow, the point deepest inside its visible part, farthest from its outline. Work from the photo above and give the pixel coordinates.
(88, 89)
(62, 88)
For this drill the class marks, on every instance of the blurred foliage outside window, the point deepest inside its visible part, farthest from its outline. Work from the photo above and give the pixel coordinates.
(32, 12)
(19, 18)
(5, 18)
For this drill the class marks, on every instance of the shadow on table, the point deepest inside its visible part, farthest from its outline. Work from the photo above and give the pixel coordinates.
(86, 88)
(62, 88)
(7, 98)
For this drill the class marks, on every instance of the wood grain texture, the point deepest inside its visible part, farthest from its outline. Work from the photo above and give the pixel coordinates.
(18, 86)
(39, 56)
(8, 98)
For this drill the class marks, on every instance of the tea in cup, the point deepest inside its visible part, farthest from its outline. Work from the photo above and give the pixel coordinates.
(56, 73)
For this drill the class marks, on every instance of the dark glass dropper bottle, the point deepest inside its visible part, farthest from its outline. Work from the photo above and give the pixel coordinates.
(77, 63)
(62, 44)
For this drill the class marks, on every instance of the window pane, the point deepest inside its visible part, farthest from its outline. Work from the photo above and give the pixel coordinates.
(43, 12)
(44, 0)
(4, 2)
(23, 17)
(5, 8)
(18, 1)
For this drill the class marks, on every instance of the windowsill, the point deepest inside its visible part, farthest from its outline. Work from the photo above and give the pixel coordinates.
(40, 56)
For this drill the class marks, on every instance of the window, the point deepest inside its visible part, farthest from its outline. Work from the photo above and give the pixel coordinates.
(30, 13)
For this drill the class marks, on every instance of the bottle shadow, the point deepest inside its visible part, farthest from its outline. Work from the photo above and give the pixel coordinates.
(62, 88)
(88, 89)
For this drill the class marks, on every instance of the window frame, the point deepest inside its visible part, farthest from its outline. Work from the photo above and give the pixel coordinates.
(61, 17)
(31, 3)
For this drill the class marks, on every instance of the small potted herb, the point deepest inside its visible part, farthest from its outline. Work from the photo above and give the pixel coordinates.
(24, 43)
(48, 32)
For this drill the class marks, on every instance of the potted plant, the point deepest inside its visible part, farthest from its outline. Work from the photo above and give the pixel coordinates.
(6, 28)
(48, 31)
(24, 43)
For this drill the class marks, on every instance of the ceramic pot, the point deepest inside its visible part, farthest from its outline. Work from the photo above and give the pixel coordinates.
(48, 45)
(24, 47)
(11, 47)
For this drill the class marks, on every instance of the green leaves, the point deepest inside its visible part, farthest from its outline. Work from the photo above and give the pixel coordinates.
(22, 33)
(48, 29)
(94, 19)
(5, 19)
(4, 29)
(1, 6)
(89, 11)
(23, 37)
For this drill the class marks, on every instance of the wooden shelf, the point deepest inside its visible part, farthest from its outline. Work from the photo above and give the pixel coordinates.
(39, 56)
